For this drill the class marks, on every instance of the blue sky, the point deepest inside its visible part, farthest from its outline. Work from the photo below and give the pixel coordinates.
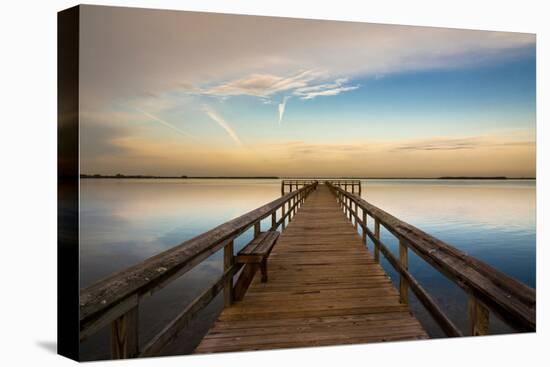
(212, 94)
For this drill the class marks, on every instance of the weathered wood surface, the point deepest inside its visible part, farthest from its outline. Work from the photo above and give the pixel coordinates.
(513, 301)
(324, 288)
(258, 248)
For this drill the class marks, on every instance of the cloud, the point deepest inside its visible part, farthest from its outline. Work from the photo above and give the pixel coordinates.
(282, 107)
(440, 144)
(167, 124)
(223, 124)
(306, 84)
(323, 90)
(468, 143)
(322, 152)
(132, 59)
(263, 85)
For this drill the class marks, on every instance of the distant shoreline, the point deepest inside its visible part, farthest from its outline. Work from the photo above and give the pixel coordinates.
(120, 176)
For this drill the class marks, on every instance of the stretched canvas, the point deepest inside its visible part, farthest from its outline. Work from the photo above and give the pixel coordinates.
(235, 183)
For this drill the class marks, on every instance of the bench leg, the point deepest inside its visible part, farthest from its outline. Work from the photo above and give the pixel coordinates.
(263, 268)
(244, 281)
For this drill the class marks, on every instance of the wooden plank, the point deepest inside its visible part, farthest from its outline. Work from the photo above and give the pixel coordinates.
(267, 244)
(251, 246)
(324, 288)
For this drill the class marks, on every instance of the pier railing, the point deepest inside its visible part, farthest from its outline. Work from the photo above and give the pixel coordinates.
(115, 300)
(295, 184)
(489, 290)
(353, 186)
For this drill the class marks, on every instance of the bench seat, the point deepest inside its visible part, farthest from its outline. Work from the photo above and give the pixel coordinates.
(259, 248)
(254, 256)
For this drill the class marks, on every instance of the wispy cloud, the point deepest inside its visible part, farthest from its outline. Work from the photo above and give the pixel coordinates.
(326, 89)
(306, 85)
(223, 124)
(263, 85)
(165, 123)
(318, 151)
(468, 143)
(282, 107)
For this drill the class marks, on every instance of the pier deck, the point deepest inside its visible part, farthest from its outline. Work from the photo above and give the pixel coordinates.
(324, 288)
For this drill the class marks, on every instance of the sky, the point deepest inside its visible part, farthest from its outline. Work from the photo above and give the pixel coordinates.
(204, 94)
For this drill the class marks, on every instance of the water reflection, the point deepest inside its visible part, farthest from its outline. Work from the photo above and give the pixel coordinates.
(126, 221)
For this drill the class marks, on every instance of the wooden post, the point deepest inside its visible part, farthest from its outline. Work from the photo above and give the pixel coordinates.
(478, 316)
(124, 335)
(289, 211)
(352, 188)
(365, 227)
(283, 211)
(228, 260)
(403, 284)
(274, 220)
(242, 284)
(346, 206)
(283, 188)
(356, 216)
(257, 229)
(377, 236)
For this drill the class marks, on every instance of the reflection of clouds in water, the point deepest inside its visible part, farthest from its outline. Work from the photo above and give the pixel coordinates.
(473, 205)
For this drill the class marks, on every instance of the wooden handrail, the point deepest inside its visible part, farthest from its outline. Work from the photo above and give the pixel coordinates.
(295, 182)
(112, 299)
(489, 289)
(343, 184)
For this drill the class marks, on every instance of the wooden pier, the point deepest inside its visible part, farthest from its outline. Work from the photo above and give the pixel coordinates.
(311, 278)
(324, 288)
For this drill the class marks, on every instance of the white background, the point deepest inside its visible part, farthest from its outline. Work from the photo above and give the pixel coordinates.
(28, 182)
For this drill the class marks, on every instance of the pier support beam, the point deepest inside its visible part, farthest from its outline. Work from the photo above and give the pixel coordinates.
(403, 283)
(377, 236)
(478, 316)
(365, 228)
(124, 335)
(257, 229)
(228, 260)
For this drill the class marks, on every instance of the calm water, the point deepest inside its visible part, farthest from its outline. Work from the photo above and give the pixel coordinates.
(126, 221)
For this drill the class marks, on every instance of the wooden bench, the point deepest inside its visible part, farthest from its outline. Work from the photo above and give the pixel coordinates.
(254, 256)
